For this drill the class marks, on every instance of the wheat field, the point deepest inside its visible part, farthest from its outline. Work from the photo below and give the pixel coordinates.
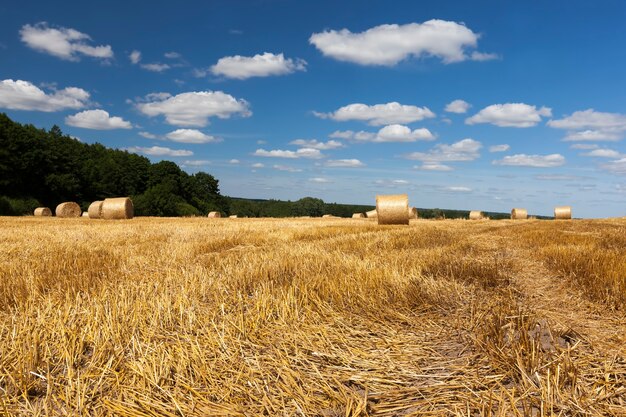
(312, 317)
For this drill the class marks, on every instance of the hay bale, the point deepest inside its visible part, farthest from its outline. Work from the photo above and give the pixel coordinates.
(519, 214)
(372, 214)
(68, 209)
(42, 212)
(215, 214)
(232, 216)
(95, 210)
(85, 214)
(476, 215)
(563, 213)
(358, 215)
(413, 213)
(392, 209)
(117, 208)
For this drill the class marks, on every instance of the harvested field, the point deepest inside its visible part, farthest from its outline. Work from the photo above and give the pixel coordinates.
(311, 317)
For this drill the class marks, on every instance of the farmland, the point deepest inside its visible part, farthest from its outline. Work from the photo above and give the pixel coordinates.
(312, 317)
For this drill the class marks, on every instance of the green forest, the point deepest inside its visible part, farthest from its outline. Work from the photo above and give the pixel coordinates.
(41, 167)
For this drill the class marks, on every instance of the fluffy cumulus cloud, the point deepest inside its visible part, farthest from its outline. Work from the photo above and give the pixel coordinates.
(234, 161)
(591, 125)
(193, 108)
(97, 120)
(196, 163)
(135, 57)
(535, 161)
(286, 168)
(617, 167)
(64, 43)
(320, 180)
(463, 150)
(585, 146)
(159, 151)
(433, 166)
(389, 44)
(22, 95)
(306, 153)
(499, 148)
(379, 114)
(344, 163)
(603, 153)
(147, 135)
(260, 65)
(155, 67)
(389, 133)
(510, 115)
(190, 136)
(457, 106)
(315, 144)
(258, 165)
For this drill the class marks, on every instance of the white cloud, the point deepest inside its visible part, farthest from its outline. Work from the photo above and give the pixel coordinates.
(536, 161)
(234, 161)
(510, 115)
(286, 168)
(190, 136)
(592, 135)
(258, 165)
(307, 153)
(584, 146)
(617, 167)
(64, 43)
(458, 106)
(499, 148)
(98, 120)
(193, 108)
(320, 180)
(344, 163)
(603, 153)
(458, 189)
(22, 95)
(313, 143)
(433, 166)
(135, 57)
(379, 114)
(482, 56)
(147, 135)
(463, 150)
(389, 133)
(591, 125)
(390, 44)
(159, 151)
(243, 67)
(155, 67)
(172, 55)
(196, 163)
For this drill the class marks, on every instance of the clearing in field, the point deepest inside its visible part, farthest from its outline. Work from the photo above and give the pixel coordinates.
(312, 317)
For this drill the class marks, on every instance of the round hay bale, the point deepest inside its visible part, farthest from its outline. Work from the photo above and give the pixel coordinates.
(215, 214)
(95, 210)
(327, 216)
(563, 213)
(42, 212)
(232, 216)
(85, 214)
(372, 214)
(358, 215)
(117, 208)
(68, 209)
(519, 214)
(413, 213)
(476, 215)
(392, 209)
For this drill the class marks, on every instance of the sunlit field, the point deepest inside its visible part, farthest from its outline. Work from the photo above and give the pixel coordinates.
(312, 317)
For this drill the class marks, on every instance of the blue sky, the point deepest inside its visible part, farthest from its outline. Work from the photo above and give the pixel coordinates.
(471, 105)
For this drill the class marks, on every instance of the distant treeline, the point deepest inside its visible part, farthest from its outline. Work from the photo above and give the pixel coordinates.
(41, 167)
(45, 168)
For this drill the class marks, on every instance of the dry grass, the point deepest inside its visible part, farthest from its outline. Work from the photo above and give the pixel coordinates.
(247, 317)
